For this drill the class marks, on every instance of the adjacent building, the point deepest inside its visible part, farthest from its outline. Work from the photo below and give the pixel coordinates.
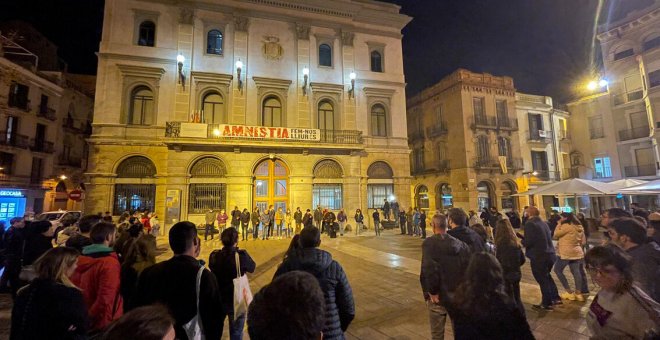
(205, 105)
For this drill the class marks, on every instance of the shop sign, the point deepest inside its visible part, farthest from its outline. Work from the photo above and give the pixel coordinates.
(11, 193)
(264, 132)
(75, 195)
(563, 209)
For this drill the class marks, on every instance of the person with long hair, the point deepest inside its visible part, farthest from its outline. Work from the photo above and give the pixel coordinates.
(481, 307)
(571, 236)
(511, 257)
(51, 306)
(144, 323)
(620, 310)
(141, 254)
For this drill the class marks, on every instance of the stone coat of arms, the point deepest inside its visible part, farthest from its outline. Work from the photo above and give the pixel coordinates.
(272, 48)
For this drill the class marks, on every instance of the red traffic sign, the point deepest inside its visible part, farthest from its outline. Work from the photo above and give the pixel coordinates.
(75, 195)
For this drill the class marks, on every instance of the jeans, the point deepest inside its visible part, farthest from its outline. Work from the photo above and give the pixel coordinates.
(579, 275)
(437, 320)
(402, 226)
(244, 231)
(410, 228)
(541, 268)
(269, 232)
(358, 228)
(513, 290)
(377, 227)
(236, 326)
(255, 230)
(423, 230)
(207, 230)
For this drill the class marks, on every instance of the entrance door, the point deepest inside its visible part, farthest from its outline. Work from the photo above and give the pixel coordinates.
(271, 185)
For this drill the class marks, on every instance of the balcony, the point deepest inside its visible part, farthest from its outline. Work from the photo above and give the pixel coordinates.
(627, 97)
(14, 140)
(540, 136)
(341, 136)
(544, 176)
(507, 124)
(437, 130)
(46, 112)
(635, 133)
(443, 165)
(493, 163)
(416, 136)
(484, 122)
(640, 170)
(41, 146)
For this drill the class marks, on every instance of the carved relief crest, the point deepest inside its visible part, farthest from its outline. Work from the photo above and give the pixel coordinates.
(272, 48)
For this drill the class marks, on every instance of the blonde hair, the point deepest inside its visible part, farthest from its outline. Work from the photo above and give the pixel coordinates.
(54, 264)
(504, 234)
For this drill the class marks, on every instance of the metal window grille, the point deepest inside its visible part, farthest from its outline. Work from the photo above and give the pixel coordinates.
(327, 195)
(203, 197)
(136, 167)
(131, 197)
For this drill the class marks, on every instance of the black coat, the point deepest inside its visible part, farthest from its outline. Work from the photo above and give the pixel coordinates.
(35, 246)
(49, 311)
(173, 283)
(470, 237)
(245, 217)
(444, 261)
(499, 320)
(339, 305)
(538, 239)
(511, 258)
(223, 264)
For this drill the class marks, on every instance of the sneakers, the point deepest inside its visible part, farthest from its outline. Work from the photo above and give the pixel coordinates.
(579, 297)
(542, 308)
(569, 296)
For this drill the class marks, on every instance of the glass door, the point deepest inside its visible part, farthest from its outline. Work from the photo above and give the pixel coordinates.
(271, 185)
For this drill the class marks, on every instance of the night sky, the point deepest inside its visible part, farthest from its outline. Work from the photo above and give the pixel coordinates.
(545, 45)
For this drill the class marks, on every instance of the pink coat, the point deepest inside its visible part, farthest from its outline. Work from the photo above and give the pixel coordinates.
(222, 218)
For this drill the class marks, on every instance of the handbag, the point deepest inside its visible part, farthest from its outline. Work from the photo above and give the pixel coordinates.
(242, 292)
(193, 328)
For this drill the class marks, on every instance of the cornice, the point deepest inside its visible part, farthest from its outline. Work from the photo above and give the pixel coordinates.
(208, 77)
(141, 71)
(378, 92)
(618, 28)
(282, 84)
(106, 55)
(325, 87)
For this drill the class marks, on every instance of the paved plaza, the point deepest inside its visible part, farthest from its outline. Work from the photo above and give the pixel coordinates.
(384, 274)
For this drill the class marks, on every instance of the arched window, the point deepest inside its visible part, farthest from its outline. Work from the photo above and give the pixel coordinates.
(326, 116)
(383, 186)
(213, 107)
(214, 42)
(142, 106)
(325, 55)
(147, 34)
(485, 195)
(136, 167)
(378, 121)
(271, 112)
(376, 62)
(133, 193)
(207, 189)
(508, 202)
(327, 188)
(444, 199)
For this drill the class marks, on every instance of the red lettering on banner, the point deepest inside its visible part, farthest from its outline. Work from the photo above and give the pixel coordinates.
(236, 130)
(285, 133)
(226, 131)
(262, 132)
(272, 132)
(249, 131)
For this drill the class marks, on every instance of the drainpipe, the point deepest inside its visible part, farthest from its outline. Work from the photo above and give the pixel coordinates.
(554, 141)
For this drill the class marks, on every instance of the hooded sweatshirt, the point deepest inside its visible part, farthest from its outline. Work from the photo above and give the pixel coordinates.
(339, 305)
(97, 275)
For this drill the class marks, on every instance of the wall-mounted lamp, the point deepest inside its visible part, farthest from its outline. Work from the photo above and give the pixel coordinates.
(239, 68)
(63, 177)
(306, 77)
(182, 77)
(351, 91)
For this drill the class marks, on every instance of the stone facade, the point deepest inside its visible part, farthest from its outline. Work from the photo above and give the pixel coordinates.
(276, 63)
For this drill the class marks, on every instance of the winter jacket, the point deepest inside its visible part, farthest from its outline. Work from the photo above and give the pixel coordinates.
(359, 218)
(97, 275)
(271, 215)
(470, 237)
(339, 305)
(409, 217)
(222, 218)
(298, 216)
(646, 268)
(308, 220)
(386, 207)
(416, 218)
(376, 216)
(318, 215)
(511, 258)
(538, 239)
(279, 216)
(444, 261)
(235, 217)
(222, 263)
(129, 280)
(173, 283)
(35, 246)
(48, 310)
(622, 316)
(245, 217)
(288, 218)
(571, 238)
(255, 218)
(498, 320)
(209, 217)
(341, 217)
(264, 218)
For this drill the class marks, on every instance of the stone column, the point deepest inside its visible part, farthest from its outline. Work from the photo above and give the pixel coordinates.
(182, 109)
(239, 103)
(349, 119)
(304, 112)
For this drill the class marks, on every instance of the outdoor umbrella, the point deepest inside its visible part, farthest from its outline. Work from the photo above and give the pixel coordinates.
(648, 188)
(574, 187)
(627, 182)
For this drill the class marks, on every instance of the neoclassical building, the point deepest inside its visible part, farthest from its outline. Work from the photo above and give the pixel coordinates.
(210, 105)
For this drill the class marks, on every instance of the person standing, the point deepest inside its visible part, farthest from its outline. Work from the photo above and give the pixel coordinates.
(359, 221)
(223, 265)
(255, 223)
(245, 223)
(444, 260)
(279, 218)
(141, 255)
(318, 216)
(236, 218)
(494, 217)
(209, 218)
(473, 218)
(553, 221)
(386, 210)
(457, 219)
(542, 257)
(511, 257)
(339, 304)
(155, 224)
(146, 221)
(416, 230)
(402, 221)
(329, 223)
(409, 221)
(570, 234)
(376, 217)
(395, 210)
(271, 220)
(342, 218)
(422, 223)
(288, 219)
(265, 224)
(176, 282)
(98, 276)
(308, 219)
(298, 217)
(222, 221)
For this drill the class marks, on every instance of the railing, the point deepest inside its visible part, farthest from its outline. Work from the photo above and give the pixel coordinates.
(341, 136)
(41, 146)
(627, 97)
(596, 133)
(494, 163)
(70, 125)
(638, 132)
(507, 123)
(484, 122)
(640, 170)
(535, 136)
(546, 175)
(15, 140)
(437, 130)
(47, 113)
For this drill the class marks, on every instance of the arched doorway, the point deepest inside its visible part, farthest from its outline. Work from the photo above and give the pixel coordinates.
(422, 197)
(444, 199)
(509, 202)
(271, 185)
(485, 196)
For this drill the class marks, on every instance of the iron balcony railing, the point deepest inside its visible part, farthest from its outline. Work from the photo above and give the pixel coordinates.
(640, 170)
(47, 113)
(437, 130)
(537, 137)
(505, 123)
(484, 122)
(627, 97)
(546, 175)
(634, 133)
(70, 161)
(15, 140)
(494, 163)
(41, 146)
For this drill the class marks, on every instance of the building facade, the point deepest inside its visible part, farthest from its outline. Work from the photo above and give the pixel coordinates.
(250, 104)
(44, 117)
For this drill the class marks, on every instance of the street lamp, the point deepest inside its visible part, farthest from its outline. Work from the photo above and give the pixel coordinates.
(63, 177)
(351, 91)
(182, 78)
(597, 84)
(305, 72)
(239, 68)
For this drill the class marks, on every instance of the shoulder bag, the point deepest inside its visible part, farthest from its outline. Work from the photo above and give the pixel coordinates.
(242, 292)
(194, 328)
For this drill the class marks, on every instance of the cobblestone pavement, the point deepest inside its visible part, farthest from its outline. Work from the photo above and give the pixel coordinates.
(384, 274)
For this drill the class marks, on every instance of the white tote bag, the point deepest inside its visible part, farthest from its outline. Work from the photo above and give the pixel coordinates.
(242, 292)
(194, 327)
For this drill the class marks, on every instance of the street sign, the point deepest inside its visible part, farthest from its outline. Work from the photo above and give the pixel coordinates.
(75, 195)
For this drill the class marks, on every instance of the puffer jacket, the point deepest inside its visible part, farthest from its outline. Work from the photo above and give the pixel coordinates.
(97, 275)
(339, 305)
(571, 238)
